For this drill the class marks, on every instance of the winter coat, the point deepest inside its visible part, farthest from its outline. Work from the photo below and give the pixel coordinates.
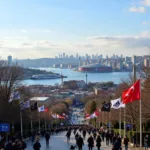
(90, 142)
(98, 142)
(36, 146)
(80, 142)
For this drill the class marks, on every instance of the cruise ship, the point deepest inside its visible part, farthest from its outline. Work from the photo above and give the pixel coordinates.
(47, 76)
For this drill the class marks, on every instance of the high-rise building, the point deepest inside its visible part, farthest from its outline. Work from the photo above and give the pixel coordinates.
(146, 62)
(77, 56)
(9, 59)
(64, 55)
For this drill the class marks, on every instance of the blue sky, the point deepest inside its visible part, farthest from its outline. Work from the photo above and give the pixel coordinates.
(44, 28)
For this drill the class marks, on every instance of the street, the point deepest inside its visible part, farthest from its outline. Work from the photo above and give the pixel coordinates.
(59, 142)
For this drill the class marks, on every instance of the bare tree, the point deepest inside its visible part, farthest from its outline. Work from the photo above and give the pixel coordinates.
(10, 77)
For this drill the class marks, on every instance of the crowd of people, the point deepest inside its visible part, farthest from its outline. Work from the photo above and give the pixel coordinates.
(93, 136)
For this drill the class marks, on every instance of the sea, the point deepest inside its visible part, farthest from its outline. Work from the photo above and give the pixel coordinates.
(116, 77)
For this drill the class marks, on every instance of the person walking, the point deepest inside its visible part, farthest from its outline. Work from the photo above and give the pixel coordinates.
(116, 145)
(47, 137)
(146, 142)
(90, 142)
(9, 145)
(80, 143)
(126, 141)
(84, 134)
(98, 142)
(68, 134)
(107, 138)
(37, 145)
(134, 140)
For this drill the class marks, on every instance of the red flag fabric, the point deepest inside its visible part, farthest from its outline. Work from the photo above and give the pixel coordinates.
(97, 113)
(46, 110)
(132, 93)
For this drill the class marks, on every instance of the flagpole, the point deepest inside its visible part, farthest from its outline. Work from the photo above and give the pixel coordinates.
(109, 120)
(45, 118)
(140, 118)
(124, 121)
(120, 122)
(99, 119)
(39, 120)
(21, 123)
(31, 121)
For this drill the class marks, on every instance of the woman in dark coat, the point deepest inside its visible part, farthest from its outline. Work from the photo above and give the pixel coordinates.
(98, 142)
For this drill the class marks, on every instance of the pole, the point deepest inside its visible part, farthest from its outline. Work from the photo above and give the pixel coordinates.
(39, 120)
(109, 120)
(124, 122)
(86, 78)
(140, 119)
(21, 123)
(120, 122)
(106, 118)
(99, 119)
(39, 123)
(31, 121)
(102, 118)
(45, 120)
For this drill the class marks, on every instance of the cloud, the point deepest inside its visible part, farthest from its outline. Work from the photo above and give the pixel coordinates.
(146, 23)
(24, 31)
(27, 48)
(137, 9)
(123, 44)
(146, 2)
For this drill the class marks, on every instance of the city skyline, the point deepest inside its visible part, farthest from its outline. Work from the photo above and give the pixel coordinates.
(41, 29)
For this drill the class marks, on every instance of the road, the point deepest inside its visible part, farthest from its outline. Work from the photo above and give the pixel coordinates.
(59, 142)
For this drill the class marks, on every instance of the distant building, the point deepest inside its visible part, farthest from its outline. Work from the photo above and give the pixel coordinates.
(56, 65)
(80, 83)
(146, 62)
(9, 59)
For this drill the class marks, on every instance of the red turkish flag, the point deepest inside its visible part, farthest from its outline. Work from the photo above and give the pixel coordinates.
(96, 113)
(132, 93)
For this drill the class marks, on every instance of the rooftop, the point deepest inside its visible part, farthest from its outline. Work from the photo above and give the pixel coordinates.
(42, 99)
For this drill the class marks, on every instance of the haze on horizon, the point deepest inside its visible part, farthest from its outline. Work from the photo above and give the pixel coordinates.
(36, 29)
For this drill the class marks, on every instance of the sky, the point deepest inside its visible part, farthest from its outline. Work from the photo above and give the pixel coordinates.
(45, 28)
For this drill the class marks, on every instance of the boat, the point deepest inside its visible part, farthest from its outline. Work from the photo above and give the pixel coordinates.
(47, 76)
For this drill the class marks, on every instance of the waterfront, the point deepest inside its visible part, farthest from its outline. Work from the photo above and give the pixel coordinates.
(74, 75)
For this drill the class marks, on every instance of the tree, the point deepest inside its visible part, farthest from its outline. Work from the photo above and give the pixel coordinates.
(10, 77)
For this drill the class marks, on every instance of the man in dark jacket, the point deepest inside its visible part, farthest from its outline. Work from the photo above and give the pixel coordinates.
(47, 137)
(80, 142)
(68, 134)
(90, 142)
(116, 145)
(37, 145)
(126, 141)
(98, 142)
(107, 138)
(9, 145)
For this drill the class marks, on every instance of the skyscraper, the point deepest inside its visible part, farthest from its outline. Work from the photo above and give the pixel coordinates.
(9, 60)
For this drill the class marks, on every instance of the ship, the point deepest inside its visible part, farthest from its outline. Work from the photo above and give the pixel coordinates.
(47, 76)
(95, 68)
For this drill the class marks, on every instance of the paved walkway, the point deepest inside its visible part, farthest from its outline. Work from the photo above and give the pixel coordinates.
(59, 142)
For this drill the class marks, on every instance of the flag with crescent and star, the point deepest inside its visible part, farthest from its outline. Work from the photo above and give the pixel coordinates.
(132, 94)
